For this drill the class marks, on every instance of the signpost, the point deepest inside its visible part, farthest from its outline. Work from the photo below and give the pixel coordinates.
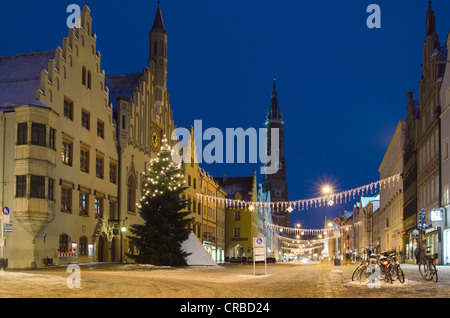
(259, 253)
(337, 229)
(5, 222)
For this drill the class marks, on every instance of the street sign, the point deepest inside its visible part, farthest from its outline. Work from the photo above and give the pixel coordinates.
(5, 210)
(259, 252)
(258, 242)
(7, 230)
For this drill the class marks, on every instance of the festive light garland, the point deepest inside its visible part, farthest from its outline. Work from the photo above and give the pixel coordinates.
(325, 231)
(305, 204)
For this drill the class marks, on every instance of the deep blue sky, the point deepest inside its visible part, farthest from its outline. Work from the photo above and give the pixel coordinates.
(342, 87)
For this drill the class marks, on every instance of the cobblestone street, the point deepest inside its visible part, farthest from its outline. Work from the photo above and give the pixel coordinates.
(283, 280)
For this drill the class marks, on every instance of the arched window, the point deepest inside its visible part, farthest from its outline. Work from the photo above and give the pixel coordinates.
(89, 79)
(155, 46)
(123, 121)
(131, 194)
(83, 76)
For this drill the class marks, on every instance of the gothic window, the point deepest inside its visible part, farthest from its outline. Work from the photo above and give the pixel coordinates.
(131, 193)
(89, 79)
(83, 76)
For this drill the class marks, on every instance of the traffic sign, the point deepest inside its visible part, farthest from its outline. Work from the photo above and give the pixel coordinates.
(5, 210)
(7, 230)
(336, 221)
(336, 227)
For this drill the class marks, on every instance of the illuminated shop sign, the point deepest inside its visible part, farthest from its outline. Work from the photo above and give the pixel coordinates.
(437, 215)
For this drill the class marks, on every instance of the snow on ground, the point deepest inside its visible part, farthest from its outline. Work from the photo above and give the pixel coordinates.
(288, 280)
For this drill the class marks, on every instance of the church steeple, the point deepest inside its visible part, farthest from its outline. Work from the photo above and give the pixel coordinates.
(158, 23)
(431, 20)
(274, 111)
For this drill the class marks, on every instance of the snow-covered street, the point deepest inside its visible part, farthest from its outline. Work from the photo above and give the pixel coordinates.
(283, 280)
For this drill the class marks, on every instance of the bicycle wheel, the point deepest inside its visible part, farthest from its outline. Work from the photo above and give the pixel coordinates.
(355, 275)
(434, 272)
(424, 270)
(400, 275)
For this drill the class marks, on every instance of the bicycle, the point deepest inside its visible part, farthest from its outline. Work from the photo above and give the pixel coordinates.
(356, 273)
(427, 267)
(377, 267)
(396, 270)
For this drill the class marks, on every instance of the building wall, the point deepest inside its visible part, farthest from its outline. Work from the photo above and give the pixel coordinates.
(445, 160)
(391, 198)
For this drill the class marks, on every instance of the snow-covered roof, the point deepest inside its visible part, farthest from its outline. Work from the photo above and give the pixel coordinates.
(20, 76)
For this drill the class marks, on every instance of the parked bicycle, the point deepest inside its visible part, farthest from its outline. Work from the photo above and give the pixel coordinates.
(427, 267)
(396, 270)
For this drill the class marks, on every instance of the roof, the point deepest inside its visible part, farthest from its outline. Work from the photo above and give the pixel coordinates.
(20, 76)
(158, 23)
(233, 185)
(121, 85)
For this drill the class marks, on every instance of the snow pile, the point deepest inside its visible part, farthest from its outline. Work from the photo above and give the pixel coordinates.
(199, 255)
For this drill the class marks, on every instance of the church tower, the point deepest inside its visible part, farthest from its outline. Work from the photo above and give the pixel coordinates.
(276, 183)
(158, 55)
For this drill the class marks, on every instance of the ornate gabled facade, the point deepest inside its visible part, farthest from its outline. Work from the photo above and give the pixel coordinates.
(59, 137)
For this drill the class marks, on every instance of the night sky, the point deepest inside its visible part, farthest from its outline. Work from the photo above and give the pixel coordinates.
(342, 87)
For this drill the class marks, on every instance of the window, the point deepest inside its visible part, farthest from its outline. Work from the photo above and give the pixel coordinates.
(85, 119)
(22, 133)
(99, 167)
(195, 183)
(51, 183)
(83, 76)
(64, 241)
(68, 108)
(37, 187)
(83, 246)
(113, 172)
(89, 80)
(237, 215)
(51, 138)
(66, 199)
(84, 204)
(21, 186)
(131, 193)
(189, 181)
(66, 152)
(84, 160)
(38, 134)
(445, 149)
(100, 128)
(237, 232)
(98, 207)
(446, 195)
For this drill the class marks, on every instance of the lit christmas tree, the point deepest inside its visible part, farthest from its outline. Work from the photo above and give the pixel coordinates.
(165, 228)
